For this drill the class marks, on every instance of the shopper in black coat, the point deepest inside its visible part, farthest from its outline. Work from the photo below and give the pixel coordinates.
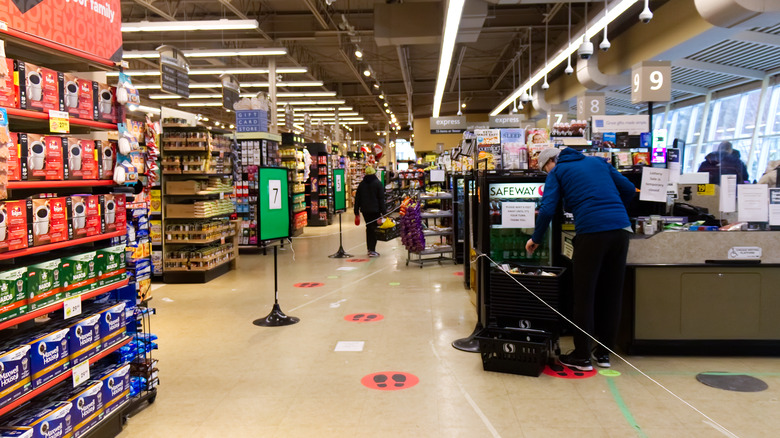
(725, 161)
(370, 199)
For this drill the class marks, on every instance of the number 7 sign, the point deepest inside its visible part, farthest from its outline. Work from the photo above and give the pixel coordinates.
(275, 194)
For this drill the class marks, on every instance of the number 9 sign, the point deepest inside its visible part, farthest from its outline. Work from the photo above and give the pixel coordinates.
(651, 82)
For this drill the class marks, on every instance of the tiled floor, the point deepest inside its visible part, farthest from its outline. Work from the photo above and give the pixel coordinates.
(224, 377)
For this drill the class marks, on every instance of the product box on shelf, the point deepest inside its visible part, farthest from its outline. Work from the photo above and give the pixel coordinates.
(15, 230)
(78, 273)
(39, 87)
(13, 295)
(50, 420)
(14, 158)
(78, 97)
(8, 96)
(84, 338)
(110, 265)
(81, 158)
(86, 219)
(42, 157)
(106, 103)
(112, 323)
(114, 216)
(107, 153)
(49, 218)
(86, 406)
(17, 432)
(48, 355)
(16, 379)
(116, 385)
(44, 285)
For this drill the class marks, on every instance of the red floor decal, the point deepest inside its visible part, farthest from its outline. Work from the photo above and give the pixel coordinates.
(309, 284)
(389, 380)
(458, 274)
(364, 317)
(564, 372)
(357, 260)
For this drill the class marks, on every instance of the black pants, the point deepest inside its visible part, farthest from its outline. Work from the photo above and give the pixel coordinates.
(370, 218)
(599, 269)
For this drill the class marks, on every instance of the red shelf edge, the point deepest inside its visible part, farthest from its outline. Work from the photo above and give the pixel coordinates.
(56, 306)
(57, 46)
(59, 184)
(73, 121)
(53, 246)
(48, 385)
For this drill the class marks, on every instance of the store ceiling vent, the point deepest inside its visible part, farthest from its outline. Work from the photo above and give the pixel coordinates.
(417, 23)
(739, 13)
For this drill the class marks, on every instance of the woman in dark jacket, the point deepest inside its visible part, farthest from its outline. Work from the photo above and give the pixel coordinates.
(370, 199)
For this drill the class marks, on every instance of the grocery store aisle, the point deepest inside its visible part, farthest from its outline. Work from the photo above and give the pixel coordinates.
(222, 376)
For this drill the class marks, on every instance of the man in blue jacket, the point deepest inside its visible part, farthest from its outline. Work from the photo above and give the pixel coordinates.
(598, 196)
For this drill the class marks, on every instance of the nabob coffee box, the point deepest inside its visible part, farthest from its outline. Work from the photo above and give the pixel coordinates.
(85, 216)
(114, 214)
(13, 295)
(78, 273)
(110, 265)
(44, 284)
(15, 229)
(49, 220)
(81, 158)
(39, 87)
(42, 157)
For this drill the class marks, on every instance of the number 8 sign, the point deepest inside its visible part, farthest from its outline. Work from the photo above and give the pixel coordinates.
(651, 81)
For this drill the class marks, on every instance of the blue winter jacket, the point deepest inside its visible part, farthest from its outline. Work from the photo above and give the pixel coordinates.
(592, 190)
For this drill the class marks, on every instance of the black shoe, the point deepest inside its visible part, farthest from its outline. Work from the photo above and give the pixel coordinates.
(601, 358)
(571, 361)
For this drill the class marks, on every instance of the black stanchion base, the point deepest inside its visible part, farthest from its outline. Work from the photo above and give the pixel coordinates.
(468, 344)
(340, 254)
(276, 318)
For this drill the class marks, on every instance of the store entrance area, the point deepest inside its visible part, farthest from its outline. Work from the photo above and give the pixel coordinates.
(222, 376)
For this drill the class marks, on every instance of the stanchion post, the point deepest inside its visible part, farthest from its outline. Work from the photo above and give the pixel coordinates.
(276, 318)
(340, 254)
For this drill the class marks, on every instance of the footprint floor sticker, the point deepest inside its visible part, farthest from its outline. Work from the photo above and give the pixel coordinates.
(309, 284)
(563, 372)
(389, 380)
(364, 317)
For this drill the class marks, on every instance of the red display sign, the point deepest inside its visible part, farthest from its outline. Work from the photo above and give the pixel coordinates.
(90, 26)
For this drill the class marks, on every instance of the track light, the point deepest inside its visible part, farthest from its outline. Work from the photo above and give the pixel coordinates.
(376, 86)
(367, 72)
(463, 105)
(358, 53)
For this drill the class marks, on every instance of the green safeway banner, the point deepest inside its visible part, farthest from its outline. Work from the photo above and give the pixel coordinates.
(274, 208)
(339, 191)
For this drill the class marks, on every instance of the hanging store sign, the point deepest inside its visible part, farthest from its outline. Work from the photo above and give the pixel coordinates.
(289, 117)
(307, 125)
(506, 121)
(590, 104)
(339, 193)
(651, 81)
(91, 27)
(448, 125)
(231, 89)
(174, 71)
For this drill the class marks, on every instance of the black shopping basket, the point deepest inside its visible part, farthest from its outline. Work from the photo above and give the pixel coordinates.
(515, 351)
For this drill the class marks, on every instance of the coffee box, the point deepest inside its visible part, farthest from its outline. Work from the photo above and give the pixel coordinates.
(42, 157)
(49, 355)
(81, 158)
(39, 88)
(114, 214)
(116, 386)
(106, 158)
(112, 324)
(8, 96)
(110, 265)
(84, 339)
(15, 379)
(14, 159)
(44, 285)
(13, 295)
(86, 406)
(17, 432)
(78, 97)
(15, 231)
(85, 216)
(53, 420)
(79, 273)
(106, 103)
(49, 220)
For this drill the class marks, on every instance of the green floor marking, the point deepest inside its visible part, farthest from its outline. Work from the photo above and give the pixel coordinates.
(609, 373)
(333, 276)
(624, 408)
(395, 283)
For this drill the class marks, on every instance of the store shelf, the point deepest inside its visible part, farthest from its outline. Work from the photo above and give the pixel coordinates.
(58, 305)
(59, 184)
(20, 114)
(197, 276)
(436, 196)
(197, 217)
(185, 149)
(258, 136)
(434, 215)
(60, 245)
(437, 233)
(434, 251)
(198, 242)
(50, 384)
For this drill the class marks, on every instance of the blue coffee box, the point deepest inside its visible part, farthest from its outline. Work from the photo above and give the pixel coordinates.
(116, 386)
(112, 324)
(53, 420)
(48, 355)
(84, 339)
(15, 378)
(18, 432)
(86, 406)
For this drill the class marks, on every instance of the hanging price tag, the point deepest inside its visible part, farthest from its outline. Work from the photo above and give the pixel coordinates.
(72, 307)
(59, 122)
(80, 373)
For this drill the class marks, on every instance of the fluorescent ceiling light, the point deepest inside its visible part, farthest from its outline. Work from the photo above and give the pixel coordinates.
(615, 10)
(316, 109)
(166, 96)
(315, 115)
(144, 109)
(200, 103)
(260, 51)
(307, 94)
(454, 12)
(183, 26)
(215, 71)
(312, 102)
(243, 85)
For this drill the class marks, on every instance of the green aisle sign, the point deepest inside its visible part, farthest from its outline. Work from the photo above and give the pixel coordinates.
(339, 192)
(381, 175)
(273, 198)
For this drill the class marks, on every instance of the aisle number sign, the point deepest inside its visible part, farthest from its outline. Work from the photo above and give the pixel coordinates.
(339, 194)
(589, 105)
(59, 122)
(274, 204)
(651, 81)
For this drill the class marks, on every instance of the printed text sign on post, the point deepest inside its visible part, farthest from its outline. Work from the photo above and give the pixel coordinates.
(274, 194)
